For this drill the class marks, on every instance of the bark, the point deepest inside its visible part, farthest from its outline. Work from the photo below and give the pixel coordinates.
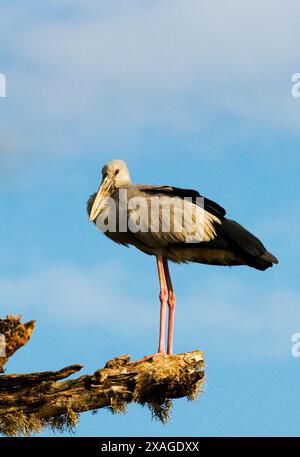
(30, 402)
(13, 335)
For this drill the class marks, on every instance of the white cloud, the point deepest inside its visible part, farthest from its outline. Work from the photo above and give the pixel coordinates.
(112, 71)
(171, 46)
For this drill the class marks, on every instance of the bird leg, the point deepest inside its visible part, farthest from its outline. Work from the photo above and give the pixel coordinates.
(163, 296)
(171, 304)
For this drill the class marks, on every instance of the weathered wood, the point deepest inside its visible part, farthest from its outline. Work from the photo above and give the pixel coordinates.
(13, 335)
(18, 380)
(30, 402)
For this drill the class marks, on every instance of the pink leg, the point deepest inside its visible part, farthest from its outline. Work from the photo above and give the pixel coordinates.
(163, 296)
(171, 304)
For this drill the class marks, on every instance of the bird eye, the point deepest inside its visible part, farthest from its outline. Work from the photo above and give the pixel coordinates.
(117, 171)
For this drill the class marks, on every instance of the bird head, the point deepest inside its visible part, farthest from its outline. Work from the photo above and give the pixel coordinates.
(115, 174)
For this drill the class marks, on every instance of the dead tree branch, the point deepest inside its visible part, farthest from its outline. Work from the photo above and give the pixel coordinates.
(30, 402)
(13, 335)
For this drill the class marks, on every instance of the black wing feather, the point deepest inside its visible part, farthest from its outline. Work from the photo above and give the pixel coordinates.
(242, 238)
(209, 205)
(247, 244)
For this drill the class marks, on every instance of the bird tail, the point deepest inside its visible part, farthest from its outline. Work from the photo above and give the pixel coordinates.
(263, 261)
(248, 245)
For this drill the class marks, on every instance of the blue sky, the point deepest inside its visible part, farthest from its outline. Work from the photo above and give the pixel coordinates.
(195, 94)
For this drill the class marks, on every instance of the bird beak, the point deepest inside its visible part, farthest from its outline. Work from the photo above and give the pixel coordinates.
(102, 193)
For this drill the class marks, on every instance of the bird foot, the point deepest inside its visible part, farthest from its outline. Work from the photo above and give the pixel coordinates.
(149, 357)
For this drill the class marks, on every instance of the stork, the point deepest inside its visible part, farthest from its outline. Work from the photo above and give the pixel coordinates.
(172, 224)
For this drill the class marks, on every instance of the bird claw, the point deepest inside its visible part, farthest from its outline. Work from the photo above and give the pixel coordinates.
(149, 357)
